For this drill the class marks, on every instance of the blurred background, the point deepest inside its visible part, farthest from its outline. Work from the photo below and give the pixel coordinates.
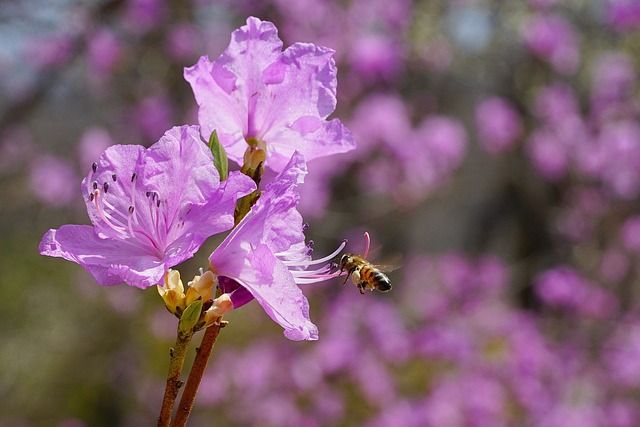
(498, 152)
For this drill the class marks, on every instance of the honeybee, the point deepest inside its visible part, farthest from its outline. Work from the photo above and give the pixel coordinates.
(365, 274)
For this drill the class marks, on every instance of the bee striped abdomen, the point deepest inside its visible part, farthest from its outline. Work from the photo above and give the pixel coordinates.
(372, 278)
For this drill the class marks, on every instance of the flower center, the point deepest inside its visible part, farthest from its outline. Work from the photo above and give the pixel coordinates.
(126, 224)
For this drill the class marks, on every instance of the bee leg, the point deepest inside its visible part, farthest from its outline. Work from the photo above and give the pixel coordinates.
(346, 278)
(361, 286)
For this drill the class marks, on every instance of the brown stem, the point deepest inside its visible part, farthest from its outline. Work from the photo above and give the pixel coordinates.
(178, 354)
(195, 376)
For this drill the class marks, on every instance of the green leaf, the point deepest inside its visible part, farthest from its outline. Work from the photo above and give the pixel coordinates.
(190, 317)
(220, 160)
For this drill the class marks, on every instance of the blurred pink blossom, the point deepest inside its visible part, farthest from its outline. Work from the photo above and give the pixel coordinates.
(623, 15)
(555, 103)
(183, 42)
(553, 39)
(548, 155)
(499, 124)
(103, 53)
(93, 142)
(53, 181)
(49, 51)
(630, 234)
(153, 116)
(612, 86)
(142, 16)
(563, 287)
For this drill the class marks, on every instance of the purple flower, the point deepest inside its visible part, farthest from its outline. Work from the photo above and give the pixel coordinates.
(93, 142)
(50, 180)
(499, 124)
(613, 85)
(630, 234)
(153, 115)
(563, 287)
(549, 156)
(256, 93)
(553, 39)
(103, 52)
(623, 15)
(150, 208)
(265, 256)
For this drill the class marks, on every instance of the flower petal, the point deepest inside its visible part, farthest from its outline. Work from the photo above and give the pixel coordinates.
(225, 89)
(109, 261)
(313, 140)
(273, 286)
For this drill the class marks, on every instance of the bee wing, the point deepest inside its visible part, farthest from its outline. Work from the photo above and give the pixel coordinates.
(390, 264)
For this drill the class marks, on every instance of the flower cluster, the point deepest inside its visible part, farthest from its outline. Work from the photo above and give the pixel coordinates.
(153, 208)
(481, 129)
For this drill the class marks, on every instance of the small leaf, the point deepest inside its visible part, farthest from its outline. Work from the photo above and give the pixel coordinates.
(190, 317)
(220, 160)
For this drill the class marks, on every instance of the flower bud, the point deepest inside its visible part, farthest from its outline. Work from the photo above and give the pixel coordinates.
(253, 166)
(221, 306)
(172, 292)
(201, 286)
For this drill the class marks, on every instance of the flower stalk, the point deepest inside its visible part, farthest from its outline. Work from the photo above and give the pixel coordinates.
(203, 352)
(178, 354)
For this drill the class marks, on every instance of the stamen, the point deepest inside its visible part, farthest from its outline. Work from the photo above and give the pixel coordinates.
(102, 215)
(331, 256)
(94, 166)
(131, 209)
(310, 273)
(91, 196)
(105, 187)
(305, 227)
(113, 177)
(133, 177)
(94, 184)
(367, 240)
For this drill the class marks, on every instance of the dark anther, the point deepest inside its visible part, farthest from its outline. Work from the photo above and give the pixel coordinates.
(113, 177)
(91, 196)
(158, 203)
(131, 209)
(171, 350)
(310, 244)
(133, 177)
(148, 193)
(305, 227)
(179, 383)
(95, 185)
(94, 167)
(105, 186)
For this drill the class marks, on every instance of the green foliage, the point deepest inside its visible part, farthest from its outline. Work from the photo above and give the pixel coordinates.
(220, 160)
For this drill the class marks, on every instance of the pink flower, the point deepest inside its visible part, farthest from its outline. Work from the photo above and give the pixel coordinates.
(553, 39)
(499, 124)
(51, 180)
(255, 93)
(150, 208)
(265, 256)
